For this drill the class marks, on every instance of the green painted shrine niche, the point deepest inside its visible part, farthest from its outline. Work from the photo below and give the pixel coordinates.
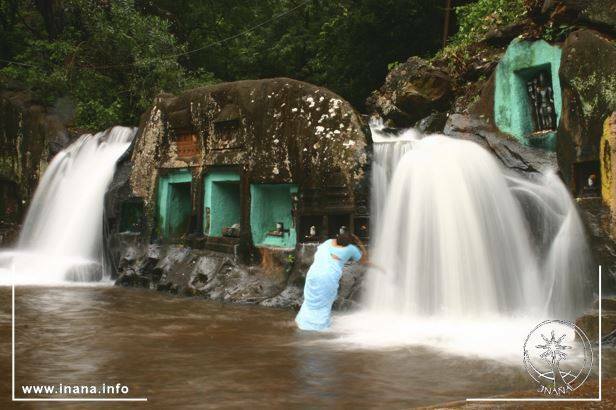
(527, 95)
(174, 203)
(222, 204)
(271, 215)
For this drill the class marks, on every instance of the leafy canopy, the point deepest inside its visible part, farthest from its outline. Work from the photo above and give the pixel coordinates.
(110, 57)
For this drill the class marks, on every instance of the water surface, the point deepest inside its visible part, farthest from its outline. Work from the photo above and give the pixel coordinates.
(194, 353)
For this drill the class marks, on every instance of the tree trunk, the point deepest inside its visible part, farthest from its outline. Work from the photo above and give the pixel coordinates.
(51, 12)
(446, 23)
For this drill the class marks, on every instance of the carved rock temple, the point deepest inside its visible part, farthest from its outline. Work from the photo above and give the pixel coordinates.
(527, 93)
(242, 167)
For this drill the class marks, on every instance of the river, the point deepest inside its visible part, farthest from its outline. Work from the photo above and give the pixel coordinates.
(182, 352)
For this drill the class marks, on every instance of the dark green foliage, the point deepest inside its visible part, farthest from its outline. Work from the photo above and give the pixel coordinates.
(476, 19)
(108, 58)
(344, 45)
(104, 56)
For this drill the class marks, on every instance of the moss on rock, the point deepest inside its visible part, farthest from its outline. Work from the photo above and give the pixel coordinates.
(588, 95)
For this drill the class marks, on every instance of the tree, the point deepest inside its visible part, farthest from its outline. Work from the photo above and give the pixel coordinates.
(106, 57)
(111, 57)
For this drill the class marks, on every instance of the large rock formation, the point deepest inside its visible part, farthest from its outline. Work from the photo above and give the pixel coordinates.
(412, 90)
(588, 94)
(512, 154)
(599, 14)
(280, 131)
(231, 162)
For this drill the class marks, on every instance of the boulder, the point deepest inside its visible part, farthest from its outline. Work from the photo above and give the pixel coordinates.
(349, 292)
(133, 279)
(501, 36)
(279, 130)
(600, 14)
(588, 97)
(291, 297)
(514, 155)
(261, 132)
(411, 91)
(432, 124)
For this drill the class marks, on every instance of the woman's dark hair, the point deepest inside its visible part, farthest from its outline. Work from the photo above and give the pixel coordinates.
(344, 239)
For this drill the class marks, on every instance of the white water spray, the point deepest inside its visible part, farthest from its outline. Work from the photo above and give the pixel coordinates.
(62, 235)
(464, 245)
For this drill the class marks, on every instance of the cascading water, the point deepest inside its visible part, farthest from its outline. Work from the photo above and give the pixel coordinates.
(62, 235)
(464, 248)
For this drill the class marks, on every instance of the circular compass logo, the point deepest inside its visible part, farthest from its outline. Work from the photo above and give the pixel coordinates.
(558, 356)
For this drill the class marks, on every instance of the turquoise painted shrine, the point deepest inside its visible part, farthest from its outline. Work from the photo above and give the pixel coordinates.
(222, 204)
(174, 203)
(272, 221)
(271, 215)
(527, 95)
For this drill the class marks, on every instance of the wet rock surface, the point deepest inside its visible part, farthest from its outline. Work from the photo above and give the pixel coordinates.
(589, 322)
(508, 150)
(217, 276)
(432, 124)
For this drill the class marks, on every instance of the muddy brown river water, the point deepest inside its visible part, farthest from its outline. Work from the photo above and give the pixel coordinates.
(190, 353)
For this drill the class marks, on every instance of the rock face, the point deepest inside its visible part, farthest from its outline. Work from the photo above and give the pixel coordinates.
(286, 131)
(593, 13)
(411, 91)
(218, 276)
(280, 143)
(227, 190)
(508, 150)
(589, 322)
(30, 135)
(589, 97)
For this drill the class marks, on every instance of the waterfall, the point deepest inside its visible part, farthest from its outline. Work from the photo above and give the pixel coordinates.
(61, 238)
(465, 248)
(457, 235)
